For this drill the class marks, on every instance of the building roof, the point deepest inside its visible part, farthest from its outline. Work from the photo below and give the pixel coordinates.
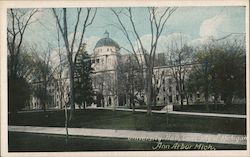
(107, 41)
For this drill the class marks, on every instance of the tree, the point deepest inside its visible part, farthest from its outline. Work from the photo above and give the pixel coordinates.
(179, 58)
(83, 81)
(159, 81)
(72, 47)
(157, 21)
(19, 92)
(130, 81)
(221, 71)
(18, 21)
(44, 72)
(59, 75)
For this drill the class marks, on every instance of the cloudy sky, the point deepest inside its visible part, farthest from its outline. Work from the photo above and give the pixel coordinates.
(196, 24)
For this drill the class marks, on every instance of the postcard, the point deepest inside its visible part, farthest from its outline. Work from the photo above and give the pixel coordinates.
(124, 78)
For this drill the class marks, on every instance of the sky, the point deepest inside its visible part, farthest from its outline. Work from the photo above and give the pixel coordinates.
(195, 24)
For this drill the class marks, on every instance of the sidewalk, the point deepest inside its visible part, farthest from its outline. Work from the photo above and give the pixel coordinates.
(179, 112)
(138, 135)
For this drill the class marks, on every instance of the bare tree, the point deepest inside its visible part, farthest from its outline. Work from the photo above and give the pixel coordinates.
(71, 45)
(61, 83)
(45, 72)
(159, 82)
(157, 21)
(179, 58)
(18, 20)
(130, 80)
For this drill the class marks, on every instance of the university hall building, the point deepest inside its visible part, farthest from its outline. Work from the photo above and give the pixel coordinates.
(117, 82)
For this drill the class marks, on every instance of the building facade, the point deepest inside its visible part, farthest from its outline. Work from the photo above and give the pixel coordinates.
(117, 83)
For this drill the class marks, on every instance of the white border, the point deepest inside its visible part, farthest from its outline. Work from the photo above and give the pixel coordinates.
(97, 3)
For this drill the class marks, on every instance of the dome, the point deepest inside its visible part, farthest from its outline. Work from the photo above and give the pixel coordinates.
(107, 41)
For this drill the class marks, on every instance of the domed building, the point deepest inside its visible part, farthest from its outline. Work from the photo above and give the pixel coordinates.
(105, 54)
(105, 59)
(117, 80)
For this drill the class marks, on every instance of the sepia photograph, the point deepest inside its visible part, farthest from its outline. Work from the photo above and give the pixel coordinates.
(124, 78)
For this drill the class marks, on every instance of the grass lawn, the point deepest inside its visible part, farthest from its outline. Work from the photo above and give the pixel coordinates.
(213, 108)
(28, 142)
(107, 119)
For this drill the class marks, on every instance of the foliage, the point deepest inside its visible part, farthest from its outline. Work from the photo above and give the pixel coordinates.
(19, 90)
(83, 82)
(18, 62)
(18, 94)
(221, 71)
(131, 81)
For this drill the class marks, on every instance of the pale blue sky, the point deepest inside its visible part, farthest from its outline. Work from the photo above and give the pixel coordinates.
(194, 22)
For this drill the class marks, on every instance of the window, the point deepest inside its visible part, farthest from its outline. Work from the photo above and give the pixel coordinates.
(97, 60)
(158, 99)
(93, 61)
(177, 97)
(170, 89)
(198, 95)
(163, 81)
(170, 98)
(191, 96)
(164, 89)
(162, 72)
(110, 101)
(157, 89)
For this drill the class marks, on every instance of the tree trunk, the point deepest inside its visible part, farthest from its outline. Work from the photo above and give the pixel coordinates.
(133, 104)
(66, 124)
(84, 105)
(154, 95)
(130, 100)
(187, 100)
(45, 95)
(72, 100)
(148, 86)
(181, 96)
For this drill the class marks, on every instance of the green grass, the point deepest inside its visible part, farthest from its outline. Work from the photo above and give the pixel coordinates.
(28, 142)
(213, 108)
(107, 119)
